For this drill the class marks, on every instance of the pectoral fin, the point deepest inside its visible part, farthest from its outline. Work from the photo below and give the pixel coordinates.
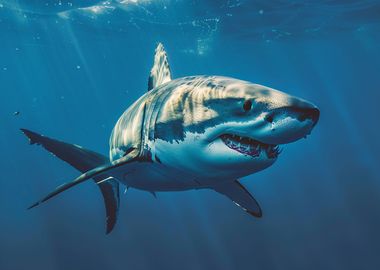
(240, 196)
(83, 160)
(90, 174)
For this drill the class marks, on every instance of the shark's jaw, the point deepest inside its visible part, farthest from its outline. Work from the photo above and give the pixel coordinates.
(250, 147)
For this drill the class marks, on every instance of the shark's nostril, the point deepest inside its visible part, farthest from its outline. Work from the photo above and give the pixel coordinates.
(269, 118)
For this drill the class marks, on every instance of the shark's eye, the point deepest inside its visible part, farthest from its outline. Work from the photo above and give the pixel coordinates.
(247, 105)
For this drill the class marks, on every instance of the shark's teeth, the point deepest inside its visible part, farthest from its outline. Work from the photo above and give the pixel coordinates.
(249, 146)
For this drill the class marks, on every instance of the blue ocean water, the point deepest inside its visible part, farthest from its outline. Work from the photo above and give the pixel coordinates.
(70, 68)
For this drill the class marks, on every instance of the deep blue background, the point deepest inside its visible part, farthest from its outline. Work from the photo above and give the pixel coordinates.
(71, 75)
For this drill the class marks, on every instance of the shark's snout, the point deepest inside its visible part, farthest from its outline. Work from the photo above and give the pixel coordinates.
(289, 121)
(309, 113)
(305, 111)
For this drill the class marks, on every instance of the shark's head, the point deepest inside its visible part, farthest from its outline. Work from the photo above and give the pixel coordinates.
(254, 122)
(238, 128)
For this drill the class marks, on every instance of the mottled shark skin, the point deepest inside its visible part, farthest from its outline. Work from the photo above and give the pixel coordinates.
(191, 133)
(178, 125)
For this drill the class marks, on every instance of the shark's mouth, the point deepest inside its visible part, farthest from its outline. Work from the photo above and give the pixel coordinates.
(250, 147)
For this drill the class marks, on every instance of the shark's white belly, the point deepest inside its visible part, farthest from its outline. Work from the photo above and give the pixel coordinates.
(155, 177)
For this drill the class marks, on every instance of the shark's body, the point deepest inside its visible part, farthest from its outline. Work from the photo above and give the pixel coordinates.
(190, 133)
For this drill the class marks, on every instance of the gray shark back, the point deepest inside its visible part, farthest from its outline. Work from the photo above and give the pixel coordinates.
(168, 111)
(160, 113)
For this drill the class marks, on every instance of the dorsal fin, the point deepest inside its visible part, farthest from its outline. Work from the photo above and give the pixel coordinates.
(160, 72)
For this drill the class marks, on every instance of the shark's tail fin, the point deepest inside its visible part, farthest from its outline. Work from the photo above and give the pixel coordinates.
(83, 160)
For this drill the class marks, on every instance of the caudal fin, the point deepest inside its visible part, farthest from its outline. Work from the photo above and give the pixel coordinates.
(83, 160)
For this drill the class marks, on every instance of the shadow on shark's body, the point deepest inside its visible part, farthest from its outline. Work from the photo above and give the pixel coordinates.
(189, 133)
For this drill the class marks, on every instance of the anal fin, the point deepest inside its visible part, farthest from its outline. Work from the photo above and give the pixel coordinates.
(240, 196)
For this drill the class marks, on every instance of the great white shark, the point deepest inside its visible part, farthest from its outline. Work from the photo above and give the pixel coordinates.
(197, 132)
